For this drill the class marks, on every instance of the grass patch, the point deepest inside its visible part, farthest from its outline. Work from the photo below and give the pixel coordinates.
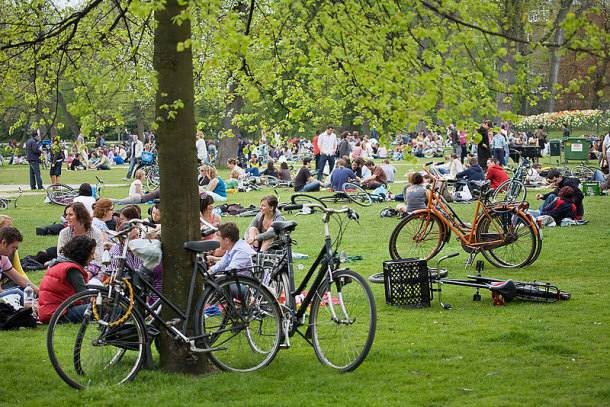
(475, 354)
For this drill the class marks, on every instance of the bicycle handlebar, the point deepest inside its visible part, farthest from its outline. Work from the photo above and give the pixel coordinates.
(352, 214)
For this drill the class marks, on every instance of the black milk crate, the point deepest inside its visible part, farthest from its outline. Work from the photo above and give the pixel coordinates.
(407, 283)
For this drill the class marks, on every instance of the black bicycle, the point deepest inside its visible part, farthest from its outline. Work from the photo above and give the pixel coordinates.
(236, 321)
(514, 189)
(340, 304)
(4, 202)
(62, 194)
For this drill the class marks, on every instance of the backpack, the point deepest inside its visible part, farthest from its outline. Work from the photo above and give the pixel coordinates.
(11, 319)
(389, 212)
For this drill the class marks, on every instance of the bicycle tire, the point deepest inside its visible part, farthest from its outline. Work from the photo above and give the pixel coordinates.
(514, 226)
(301, 198)
(335, 198)
(232, 328)
(89, 353)
(343, 345)
(61, 194)
(582, 172)
(356, 194)
(419, 235)
(510, 190)
(376, 278)
(270, 181)
(3, 204)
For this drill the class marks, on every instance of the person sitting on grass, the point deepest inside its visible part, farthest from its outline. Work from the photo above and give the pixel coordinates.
(135, 189)
(238, 253)
(562, 207)
(260, 234)
(559, 181)
(10, 238)
(85, 196)
(340, 175)
(285, 172)
(415, 195)
(216, 187)
(495, 174)
(304, 182)
(254, 166)
(206, 206)
(472, 173)
(65, 277)
(377, 177)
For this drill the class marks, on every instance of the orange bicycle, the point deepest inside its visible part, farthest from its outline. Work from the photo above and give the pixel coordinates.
(502, 232)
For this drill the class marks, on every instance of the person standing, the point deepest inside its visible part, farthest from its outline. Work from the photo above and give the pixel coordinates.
(566, 131)
(483, 150)
(57, 159)
(316, 149)
(344, 147)
(33, 153)
(136, 155)
(327, 143)
(456, 145)
(202, 148)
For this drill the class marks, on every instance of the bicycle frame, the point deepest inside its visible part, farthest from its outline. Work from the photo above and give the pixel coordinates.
(466, 234)
(325, 264)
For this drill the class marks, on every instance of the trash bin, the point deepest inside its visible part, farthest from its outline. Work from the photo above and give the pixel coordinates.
(576, 149)
(555, 147)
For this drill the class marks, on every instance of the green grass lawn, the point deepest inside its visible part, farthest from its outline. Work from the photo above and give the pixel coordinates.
(475, 354)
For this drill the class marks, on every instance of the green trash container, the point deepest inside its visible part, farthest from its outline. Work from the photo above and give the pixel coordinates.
(555, 147)
(576, 149)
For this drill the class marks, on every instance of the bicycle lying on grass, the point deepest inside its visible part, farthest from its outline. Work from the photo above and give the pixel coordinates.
(340, 303)
(236, 322)
(502, 232)
(502, 290)
(4, 202)
(62, 194)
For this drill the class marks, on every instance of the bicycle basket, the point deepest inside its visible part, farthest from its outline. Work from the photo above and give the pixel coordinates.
(407, 283)
(147, 157)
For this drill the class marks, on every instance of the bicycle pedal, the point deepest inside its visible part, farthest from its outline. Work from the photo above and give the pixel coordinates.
(284, 346)
(172, 322)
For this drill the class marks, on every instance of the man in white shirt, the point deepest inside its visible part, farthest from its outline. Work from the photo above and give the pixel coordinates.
(327, 143)
(606, 147)
(136, 155)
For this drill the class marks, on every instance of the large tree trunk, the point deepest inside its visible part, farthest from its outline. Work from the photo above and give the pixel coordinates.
(558, 38)
(227, 146)
(73, 126)
(505, 66)
(178, 168)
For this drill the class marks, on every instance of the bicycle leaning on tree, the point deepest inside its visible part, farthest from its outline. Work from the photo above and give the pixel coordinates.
(236, 322)
(338, 309)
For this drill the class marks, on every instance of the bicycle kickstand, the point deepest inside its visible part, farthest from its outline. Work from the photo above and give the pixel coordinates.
(480, 266)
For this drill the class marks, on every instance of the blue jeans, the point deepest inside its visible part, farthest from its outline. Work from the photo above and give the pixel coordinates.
(13, 291)
(547, 202)
(74, 314)
(323, 160)
(311, 186)
(132, 164)
(35, 174)
(253, 171)
(598, 176)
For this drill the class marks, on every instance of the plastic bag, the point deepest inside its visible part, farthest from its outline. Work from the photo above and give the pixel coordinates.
(149, 251)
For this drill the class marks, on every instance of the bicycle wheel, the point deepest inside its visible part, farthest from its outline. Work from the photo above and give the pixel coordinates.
(357, 194)
(300, 198)
(270, 181)
(247, 332)
(3, 204)
(343, 340)
(89, 352)
(515, 238)
(417, 236)
(582, 172)
(61, 194)
(510, 190)
(376, 278)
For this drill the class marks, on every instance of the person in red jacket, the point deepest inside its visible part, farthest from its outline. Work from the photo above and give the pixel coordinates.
(495, 173)
(65, 277)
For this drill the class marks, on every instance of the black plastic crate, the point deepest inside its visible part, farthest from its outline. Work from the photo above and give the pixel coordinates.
(407, 283)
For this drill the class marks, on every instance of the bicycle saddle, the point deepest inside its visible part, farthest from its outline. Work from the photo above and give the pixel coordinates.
(200, 246)
(281, 226)
(481, 185)
(507, 289)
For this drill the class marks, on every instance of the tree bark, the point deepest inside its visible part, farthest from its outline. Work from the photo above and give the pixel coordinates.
(178, 169)
(73, 126)
(558, 38)
(228, 143)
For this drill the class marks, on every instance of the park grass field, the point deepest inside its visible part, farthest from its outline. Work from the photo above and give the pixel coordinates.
(475, 354)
